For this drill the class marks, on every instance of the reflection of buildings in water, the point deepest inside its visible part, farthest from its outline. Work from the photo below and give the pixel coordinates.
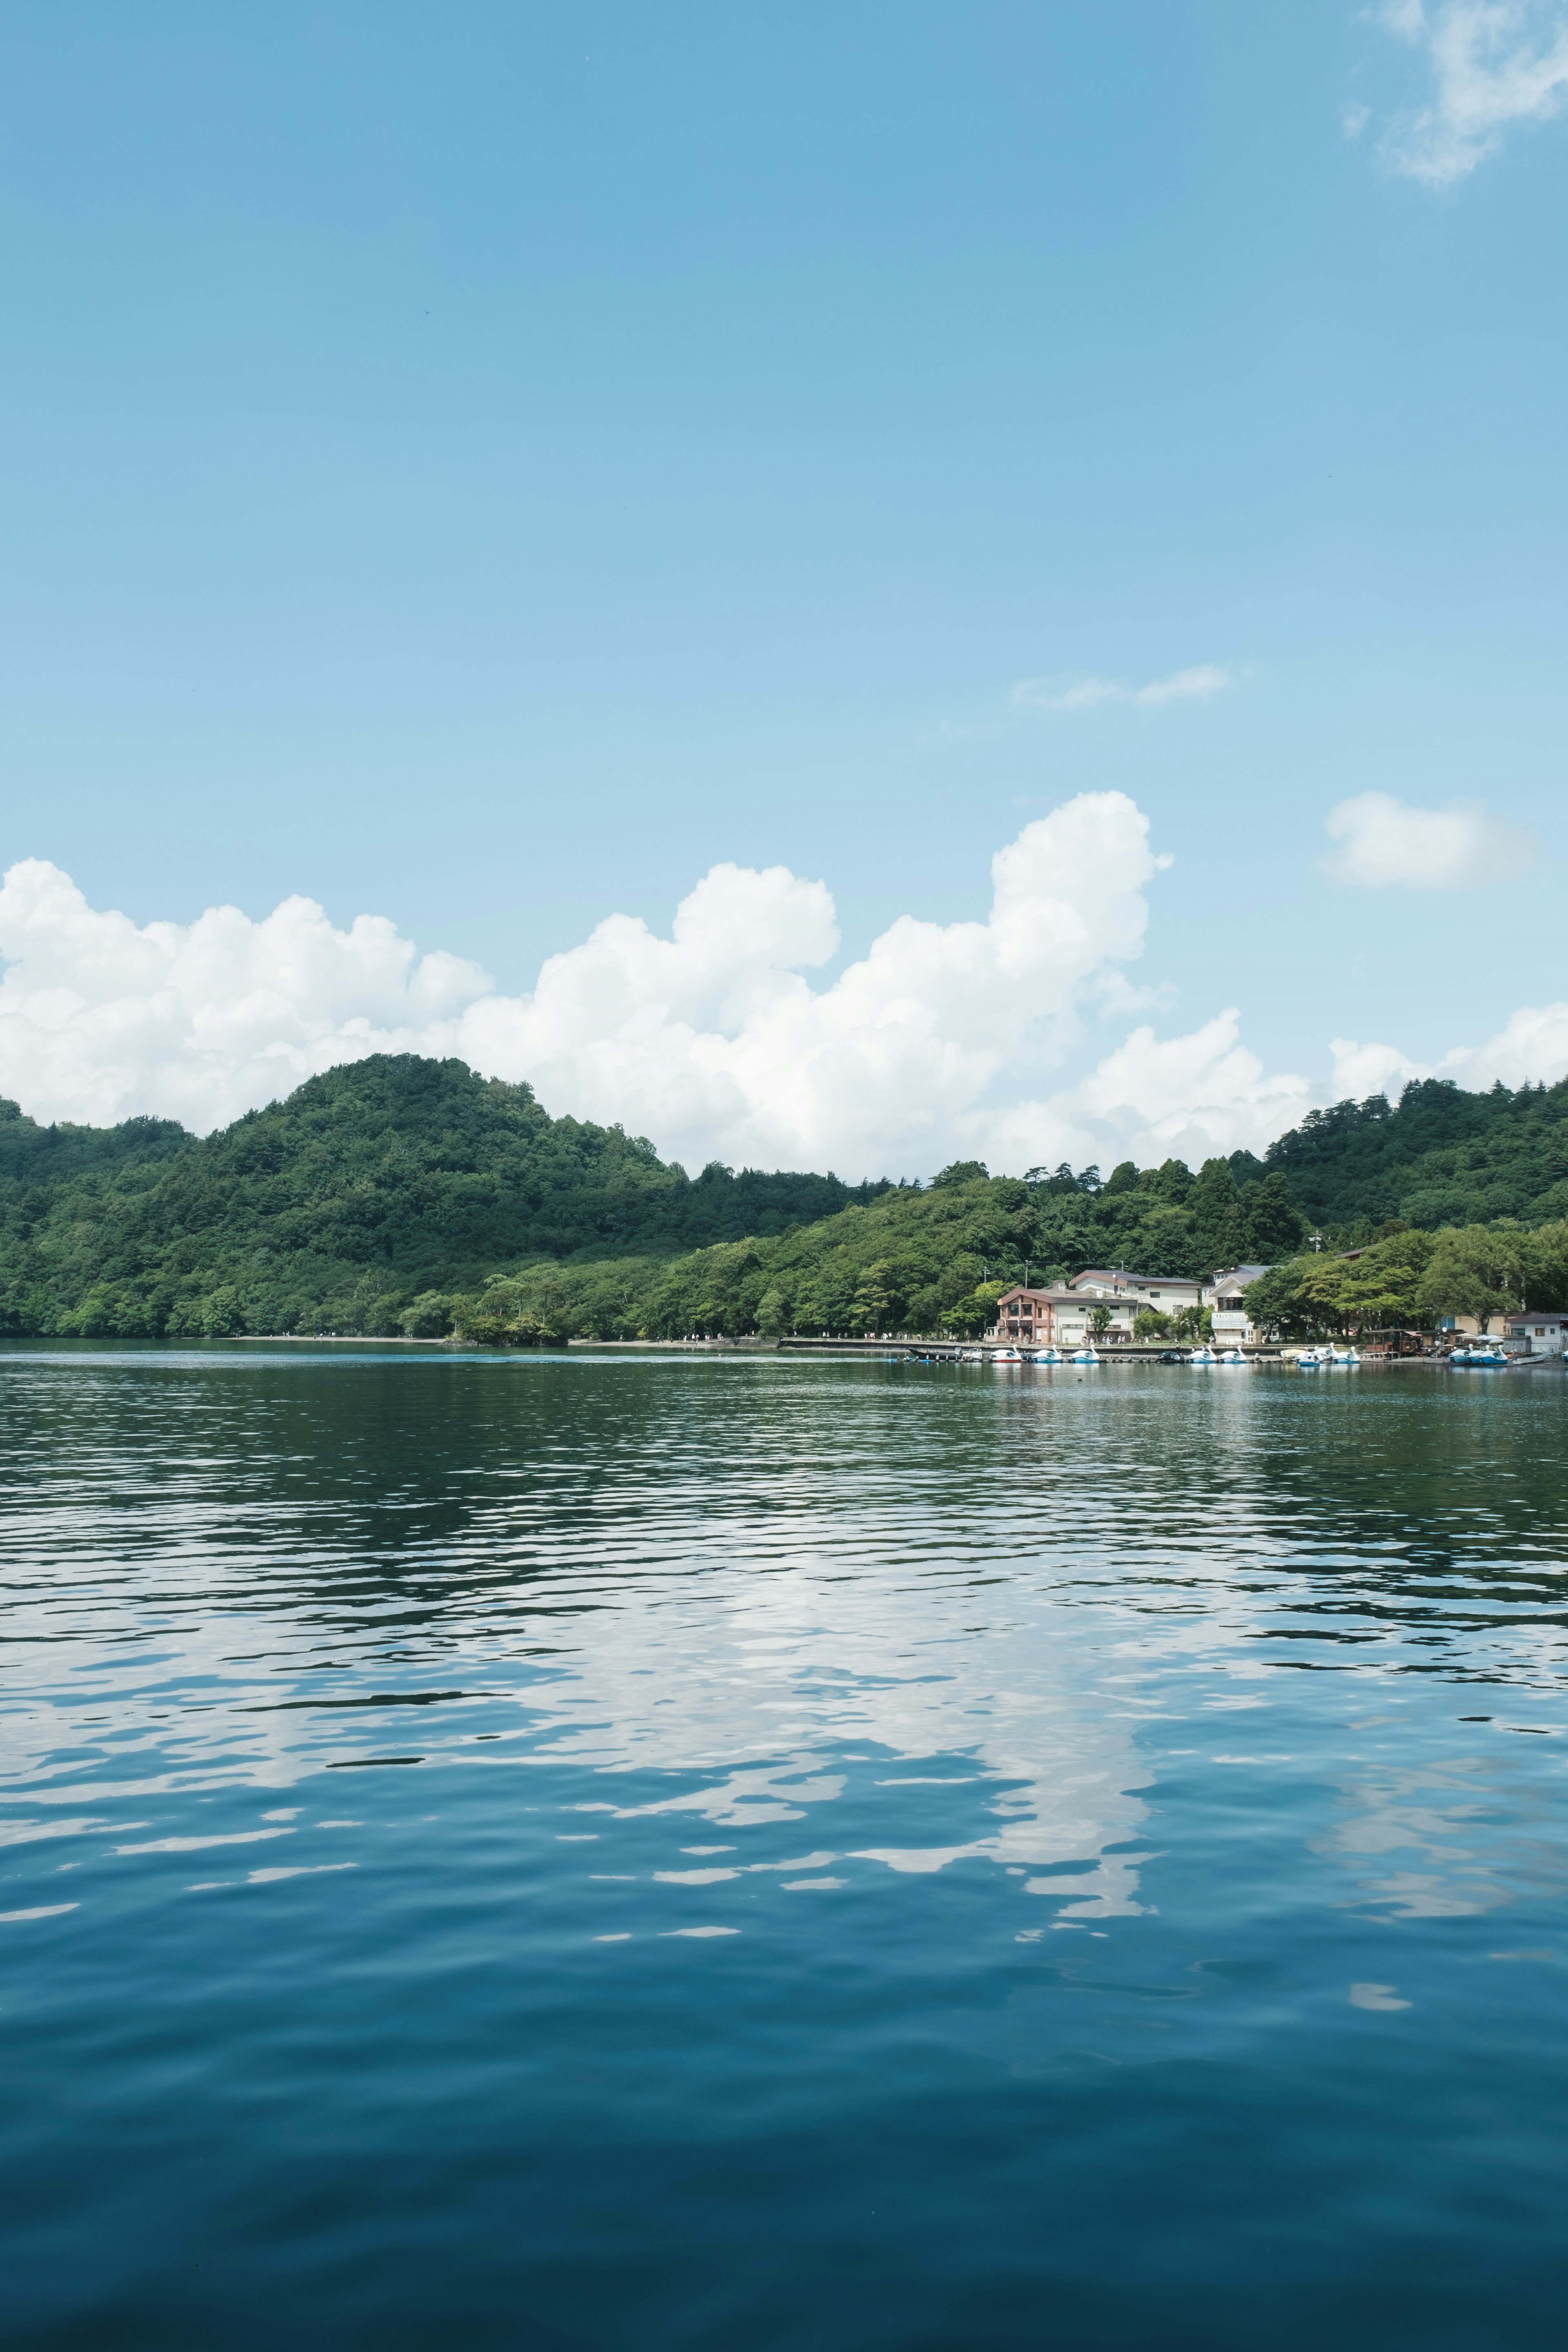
(751, 1688)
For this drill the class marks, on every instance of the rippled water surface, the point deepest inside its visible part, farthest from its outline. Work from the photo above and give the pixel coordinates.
(687, 1853)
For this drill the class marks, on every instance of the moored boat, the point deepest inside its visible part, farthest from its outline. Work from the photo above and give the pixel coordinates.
(1084, 1356)
(1006, 1356)
(1202, 1357)
(1047, 1356)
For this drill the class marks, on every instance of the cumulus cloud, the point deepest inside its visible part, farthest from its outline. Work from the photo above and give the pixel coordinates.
(1362, 1070)
(712, 1040)
(1494, 63)
(1531, 1048)
(943, 1041)
(1194, 685)
(884, 1068)
(1184, 1098)
(1384, 845)
(101, 1019)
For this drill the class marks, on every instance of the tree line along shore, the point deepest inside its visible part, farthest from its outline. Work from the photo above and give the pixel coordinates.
(403, 1195)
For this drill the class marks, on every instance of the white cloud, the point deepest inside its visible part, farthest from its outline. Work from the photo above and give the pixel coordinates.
(99, 1019)
(1186, 1097)
(1194, 685)
(1531, 1048)
(882, 1069)
(939, 1042)
(1495, 63)
(712, 1040)
(1384, 845)
(1363, 1070)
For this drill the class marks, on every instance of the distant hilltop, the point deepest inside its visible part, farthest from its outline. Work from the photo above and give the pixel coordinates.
(403, 1195)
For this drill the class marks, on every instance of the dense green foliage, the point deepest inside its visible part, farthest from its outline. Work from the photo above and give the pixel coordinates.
(913, 1260)
(335, 1209)
(1409, 1279)
(30, 1154)
(1438, 1157)
(401, 1194)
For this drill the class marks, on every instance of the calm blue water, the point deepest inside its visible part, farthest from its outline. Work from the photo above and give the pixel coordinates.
(709, 1853)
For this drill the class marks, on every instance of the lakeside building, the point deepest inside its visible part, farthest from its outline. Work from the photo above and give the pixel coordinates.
(1054, 1317)
(1225, 1296)
(1166, 1293)
(1543, 1334)
(1060, 1314)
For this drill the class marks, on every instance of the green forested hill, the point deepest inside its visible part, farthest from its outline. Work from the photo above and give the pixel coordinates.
(31, 1154)
(335, 1209)
(1437, 1157)
(911, 1260)
(399, 1193)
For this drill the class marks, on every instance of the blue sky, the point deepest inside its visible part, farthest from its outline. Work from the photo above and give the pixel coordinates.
(483, 465)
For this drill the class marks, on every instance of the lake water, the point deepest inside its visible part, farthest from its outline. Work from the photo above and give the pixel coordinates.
(658, 1852)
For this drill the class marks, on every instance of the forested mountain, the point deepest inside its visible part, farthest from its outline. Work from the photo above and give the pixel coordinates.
(399, 1193)
(31, 1154)
(1437, 1157)
(334, 1208)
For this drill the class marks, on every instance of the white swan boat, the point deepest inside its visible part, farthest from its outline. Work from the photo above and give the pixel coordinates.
(1006, 1356)
(1231, 1356)
(1202, 1357)
(1084, 1356)
(1047, 1356)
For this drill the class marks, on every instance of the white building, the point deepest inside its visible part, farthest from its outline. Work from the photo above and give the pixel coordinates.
(1225, 1296)
(1543, 1334)
(1062, 1316)
(1166, 1293)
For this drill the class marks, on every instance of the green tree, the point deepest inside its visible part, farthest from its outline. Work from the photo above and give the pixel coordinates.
(429, 1317)
(1192, 1323)
(972, 1316)
(1383, 1286)
(773, 1315)
(1274, 1303)
(1274, 1227)
(1219, 1224)
(873, 1308)
(1475, 1271)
